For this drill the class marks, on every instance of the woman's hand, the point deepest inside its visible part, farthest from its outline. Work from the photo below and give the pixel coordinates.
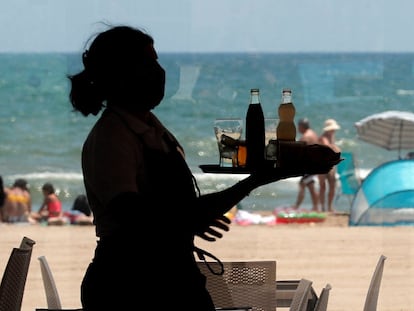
(298, 160)
(211, 233)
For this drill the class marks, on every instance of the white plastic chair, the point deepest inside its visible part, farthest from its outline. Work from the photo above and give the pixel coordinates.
(374, 287)
(52, 294)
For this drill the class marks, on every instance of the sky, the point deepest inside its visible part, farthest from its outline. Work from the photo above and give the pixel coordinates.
(213, 25)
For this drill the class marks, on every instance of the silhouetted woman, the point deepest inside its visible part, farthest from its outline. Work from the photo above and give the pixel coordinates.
(145, 201)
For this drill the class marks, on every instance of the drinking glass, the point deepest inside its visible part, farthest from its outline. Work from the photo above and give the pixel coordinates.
(232, 128)
(270, 138)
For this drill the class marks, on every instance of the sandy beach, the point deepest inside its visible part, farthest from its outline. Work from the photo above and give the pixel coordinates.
(327, 252)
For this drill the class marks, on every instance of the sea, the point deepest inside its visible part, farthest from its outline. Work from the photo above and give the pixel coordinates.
(41, 136)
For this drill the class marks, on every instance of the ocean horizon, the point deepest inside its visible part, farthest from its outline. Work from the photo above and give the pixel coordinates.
(41, 137)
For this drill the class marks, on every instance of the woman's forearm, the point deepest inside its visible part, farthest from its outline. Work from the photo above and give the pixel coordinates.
(222, 201)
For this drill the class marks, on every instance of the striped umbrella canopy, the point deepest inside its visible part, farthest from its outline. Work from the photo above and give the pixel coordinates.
(392, 130)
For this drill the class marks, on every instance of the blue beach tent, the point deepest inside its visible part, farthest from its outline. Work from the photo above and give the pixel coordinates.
(386, 196)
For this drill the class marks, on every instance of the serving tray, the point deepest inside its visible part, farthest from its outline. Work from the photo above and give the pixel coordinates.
(217, 169)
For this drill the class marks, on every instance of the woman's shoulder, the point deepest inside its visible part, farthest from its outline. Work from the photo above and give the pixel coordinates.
(54, 197)
(323, 139)
(51, 198)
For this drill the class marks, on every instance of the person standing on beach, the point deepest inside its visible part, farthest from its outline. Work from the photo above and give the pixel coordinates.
(310, 137)
(146, 204)
(328, 180)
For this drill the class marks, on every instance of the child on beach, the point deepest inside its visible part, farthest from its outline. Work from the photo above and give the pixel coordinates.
(51, 209)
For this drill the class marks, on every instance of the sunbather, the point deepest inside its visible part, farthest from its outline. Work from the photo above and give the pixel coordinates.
(18, 202)
(81, 213)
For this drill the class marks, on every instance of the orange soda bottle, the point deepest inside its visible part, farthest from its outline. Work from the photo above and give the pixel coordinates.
(286, 129)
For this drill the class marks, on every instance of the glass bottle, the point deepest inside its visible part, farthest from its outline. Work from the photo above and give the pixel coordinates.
(255, 132)
(286, 129)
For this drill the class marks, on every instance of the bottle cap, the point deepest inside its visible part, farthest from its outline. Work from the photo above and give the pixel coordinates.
(287, 95)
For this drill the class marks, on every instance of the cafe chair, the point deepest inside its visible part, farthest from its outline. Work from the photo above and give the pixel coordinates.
(52, 294)
(300, 298)
(14, 279)
(322, 302)
(348, 176)
(374, 286)
(244, 285)
(285, 291)
(27, 242)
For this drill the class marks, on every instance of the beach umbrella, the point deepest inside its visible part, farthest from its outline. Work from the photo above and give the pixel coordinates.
(392, 130)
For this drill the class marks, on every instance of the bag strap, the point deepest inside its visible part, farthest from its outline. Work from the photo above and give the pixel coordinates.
(201, 253)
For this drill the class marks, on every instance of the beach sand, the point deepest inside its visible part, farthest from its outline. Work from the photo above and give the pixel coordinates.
(327, 252)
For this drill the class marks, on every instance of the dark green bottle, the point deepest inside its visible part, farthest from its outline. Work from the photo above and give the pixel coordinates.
(255, 132)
